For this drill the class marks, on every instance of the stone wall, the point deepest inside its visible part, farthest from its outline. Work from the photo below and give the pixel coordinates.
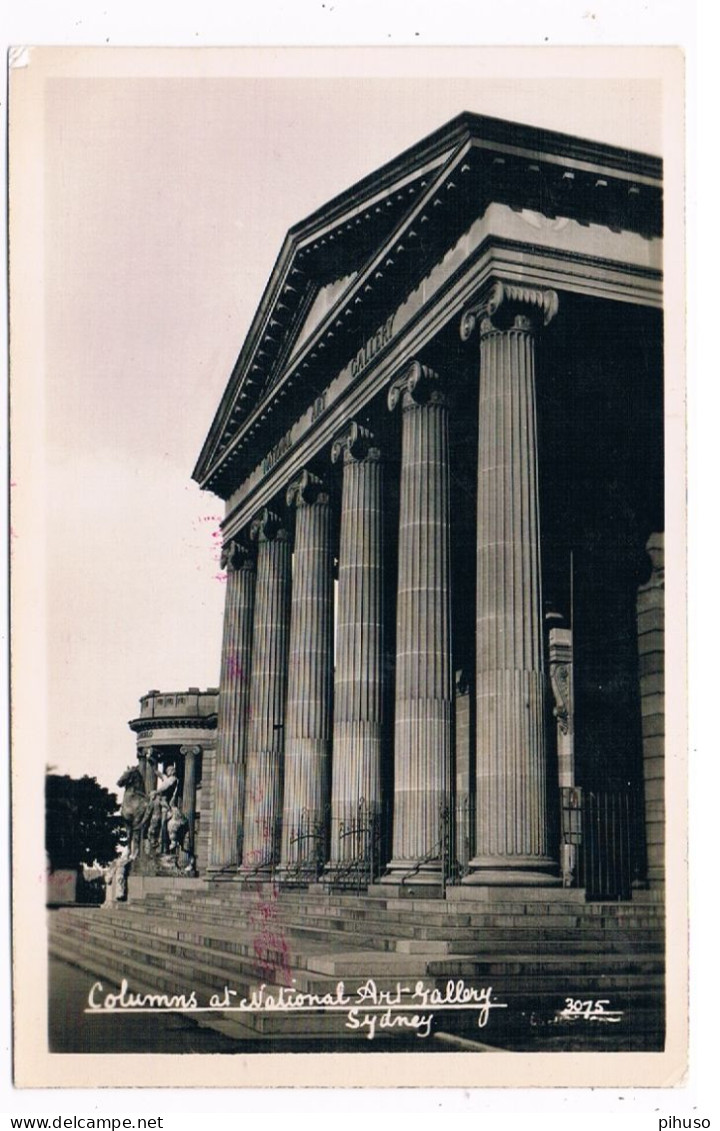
(651, 641)
(204, 810)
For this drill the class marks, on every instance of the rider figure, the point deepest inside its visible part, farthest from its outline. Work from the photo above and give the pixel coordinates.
(162, 797)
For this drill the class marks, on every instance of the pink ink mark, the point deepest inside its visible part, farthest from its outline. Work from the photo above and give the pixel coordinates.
(235, 668)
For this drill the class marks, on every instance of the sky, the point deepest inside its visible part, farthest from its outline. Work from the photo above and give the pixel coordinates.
(167, 188)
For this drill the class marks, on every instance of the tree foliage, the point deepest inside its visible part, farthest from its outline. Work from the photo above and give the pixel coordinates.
(82, 821)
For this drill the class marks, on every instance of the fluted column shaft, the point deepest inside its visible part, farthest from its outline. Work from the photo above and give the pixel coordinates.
(511, 758)
(309, 704)
(423, 691)
(228, 801)
(268, 684)
(358, 707)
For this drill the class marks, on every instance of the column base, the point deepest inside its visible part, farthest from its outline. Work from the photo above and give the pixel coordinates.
(523, 871)
(256, 873)
(346, 872)
(299, 877)
(413, 872)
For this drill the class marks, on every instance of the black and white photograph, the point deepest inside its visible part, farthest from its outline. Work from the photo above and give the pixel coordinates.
(347, 421)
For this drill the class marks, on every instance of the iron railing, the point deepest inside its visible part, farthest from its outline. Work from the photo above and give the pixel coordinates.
(610, 844)
(359, 848)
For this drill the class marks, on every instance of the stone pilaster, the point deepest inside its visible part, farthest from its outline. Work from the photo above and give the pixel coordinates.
(651, 654)
(189, 799)
(148, 767)
(464, 771)
(309, 703)
(511, 770)
(560, 665)
(560, 662)
(143, 763)
(227, 815)
(268, 685)
(358, 707)
(423, 690)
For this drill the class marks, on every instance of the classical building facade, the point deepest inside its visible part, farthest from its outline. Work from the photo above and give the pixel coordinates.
(441, 456)
(179, 728)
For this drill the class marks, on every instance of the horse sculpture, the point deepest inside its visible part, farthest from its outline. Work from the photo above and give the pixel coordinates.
(136, 808)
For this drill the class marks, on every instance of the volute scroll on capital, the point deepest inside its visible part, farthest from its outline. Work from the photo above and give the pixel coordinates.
(417, 386)
(235, 556)
(509, 306)
(354, 444)
(307, 490)
(267, 527)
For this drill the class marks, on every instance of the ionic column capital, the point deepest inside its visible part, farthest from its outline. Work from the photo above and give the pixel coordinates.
(267, 527)
(508, 306)
(354, 444)
(236, 556)
(307, 490)
(185, 750)
(417, 386)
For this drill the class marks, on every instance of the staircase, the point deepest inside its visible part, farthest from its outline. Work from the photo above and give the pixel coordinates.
(527, 950)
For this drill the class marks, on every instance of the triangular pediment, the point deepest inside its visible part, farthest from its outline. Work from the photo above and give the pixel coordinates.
(338, 270)
(318, 268)
(325, 299)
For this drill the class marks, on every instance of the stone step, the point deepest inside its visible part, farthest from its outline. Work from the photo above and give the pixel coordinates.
(541, 899)
(117, 929)
(161, 971)
(422, 938)
(114, 925)
(408, 909)
(243, 897)
(244, 941)
(358, 963)
(348, 903)
(236, 960)
(399, 924)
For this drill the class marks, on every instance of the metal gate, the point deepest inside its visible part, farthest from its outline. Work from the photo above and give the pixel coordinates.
(610, 848)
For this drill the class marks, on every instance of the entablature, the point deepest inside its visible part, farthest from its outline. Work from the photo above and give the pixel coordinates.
(491, 249)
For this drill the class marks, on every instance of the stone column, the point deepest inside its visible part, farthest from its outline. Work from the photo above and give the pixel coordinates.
(511, 776)
(358, 718)
(651, 649)
(189, 799)
(228, 793)
(268, 684)
(423, 689)
(309, 704)
(148, 767)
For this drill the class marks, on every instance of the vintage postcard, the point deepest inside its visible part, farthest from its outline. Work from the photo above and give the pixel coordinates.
(347, 473)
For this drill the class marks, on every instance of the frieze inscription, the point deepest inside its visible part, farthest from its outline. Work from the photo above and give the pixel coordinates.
(276, 453)
(318, 406)
(372, 346)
